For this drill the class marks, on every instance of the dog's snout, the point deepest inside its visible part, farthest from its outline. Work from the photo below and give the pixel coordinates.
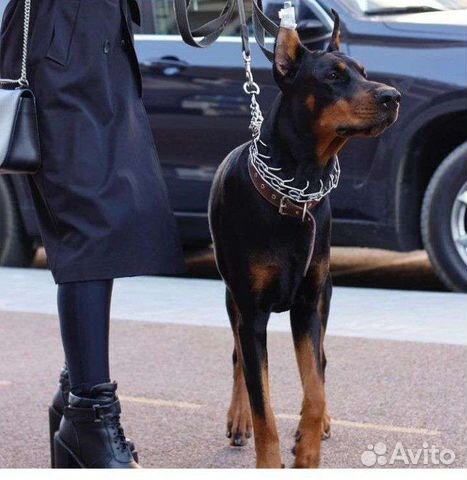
(388, 96)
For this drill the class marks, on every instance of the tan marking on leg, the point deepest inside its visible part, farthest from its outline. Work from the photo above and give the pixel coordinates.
(317, 272)
(308, 445)
(266, 436)
(239, 421)
(322, 333)
(326, 424)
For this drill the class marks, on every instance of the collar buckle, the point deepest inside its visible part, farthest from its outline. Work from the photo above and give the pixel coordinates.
(283, 206)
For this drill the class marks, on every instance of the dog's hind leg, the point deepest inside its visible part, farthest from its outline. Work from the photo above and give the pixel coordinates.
(239, 422)
(308, 334)
(251, 338)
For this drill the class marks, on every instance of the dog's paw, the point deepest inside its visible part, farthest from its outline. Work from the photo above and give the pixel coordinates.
(326, 427)
(306, 451)
(239, 430)
(298, 436)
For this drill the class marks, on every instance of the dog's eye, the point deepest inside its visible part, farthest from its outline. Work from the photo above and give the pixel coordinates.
(332, 76)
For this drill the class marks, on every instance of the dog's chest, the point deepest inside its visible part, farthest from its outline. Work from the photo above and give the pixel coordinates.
(279, 269)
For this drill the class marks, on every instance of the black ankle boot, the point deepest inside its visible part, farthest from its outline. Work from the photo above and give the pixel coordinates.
(59, 402)
(90, 434)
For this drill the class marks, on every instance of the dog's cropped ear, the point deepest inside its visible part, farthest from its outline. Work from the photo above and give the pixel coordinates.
(288, 53)
(335, 42)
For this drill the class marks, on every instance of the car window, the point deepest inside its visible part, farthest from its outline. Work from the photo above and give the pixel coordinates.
(2, 7)
(371, 5)
(158, 16)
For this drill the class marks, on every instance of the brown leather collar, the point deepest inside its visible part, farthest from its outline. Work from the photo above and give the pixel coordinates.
(284, 205)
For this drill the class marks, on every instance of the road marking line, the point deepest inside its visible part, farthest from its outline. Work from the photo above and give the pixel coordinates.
(368, 426)
(157, 402)
(5, 383)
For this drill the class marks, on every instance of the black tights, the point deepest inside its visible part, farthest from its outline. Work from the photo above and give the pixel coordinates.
(84, 311)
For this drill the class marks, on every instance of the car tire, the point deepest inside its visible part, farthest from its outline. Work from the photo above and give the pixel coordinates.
(16, 248)
(444, 220)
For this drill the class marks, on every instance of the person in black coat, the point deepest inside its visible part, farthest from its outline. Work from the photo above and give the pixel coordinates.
(100, 197)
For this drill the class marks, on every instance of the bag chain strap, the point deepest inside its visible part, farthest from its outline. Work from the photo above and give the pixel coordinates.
(23, 80)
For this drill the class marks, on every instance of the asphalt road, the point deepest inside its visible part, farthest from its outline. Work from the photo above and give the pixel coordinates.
(171, 350)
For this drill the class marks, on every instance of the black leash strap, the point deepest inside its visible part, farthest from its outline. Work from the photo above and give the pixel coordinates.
(244, 29)
(262, 25)
(212, 30)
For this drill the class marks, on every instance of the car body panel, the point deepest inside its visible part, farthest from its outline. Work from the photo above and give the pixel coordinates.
(199, 112)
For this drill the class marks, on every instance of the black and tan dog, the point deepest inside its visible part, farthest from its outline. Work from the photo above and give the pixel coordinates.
(264, 241)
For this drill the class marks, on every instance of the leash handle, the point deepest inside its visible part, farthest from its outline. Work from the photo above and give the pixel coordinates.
(210, 31)
(213, 29)
(244, 33)
(263, 25)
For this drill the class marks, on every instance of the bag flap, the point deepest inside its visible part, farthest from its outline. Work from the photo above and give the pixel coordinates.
(10, 101)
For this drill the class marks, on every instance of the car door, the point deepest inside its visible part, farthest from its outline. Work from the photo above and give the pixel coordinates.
(194, 98)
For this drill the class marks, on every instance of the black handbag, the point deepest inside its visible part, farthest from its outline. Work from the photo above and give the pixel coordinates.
(19, 132)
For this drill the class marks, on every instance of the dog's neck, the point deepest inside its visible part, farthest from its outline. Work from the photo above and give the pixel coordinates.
(295, 148)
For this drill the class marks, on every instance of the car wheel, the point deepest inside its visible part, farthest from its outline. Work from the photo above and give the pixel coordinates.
(444, 220)
(16, 248)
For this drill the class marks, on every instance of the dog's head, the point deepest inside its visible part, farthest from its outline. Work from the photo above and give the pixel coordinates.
(332, 90)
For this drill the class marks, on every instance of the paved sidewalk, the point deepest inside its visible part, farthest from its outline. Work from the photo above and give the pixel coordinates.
(437, 317)
(175, 379)
(175, 383)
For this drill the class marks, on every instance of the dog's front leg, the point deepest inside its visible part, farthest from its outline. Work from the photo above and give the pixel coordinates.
(239, 422)
(252, 335)
(308, 333)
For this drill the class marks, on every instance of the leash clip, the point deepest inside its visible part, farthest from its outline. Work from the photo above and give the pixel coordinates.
(250, 87)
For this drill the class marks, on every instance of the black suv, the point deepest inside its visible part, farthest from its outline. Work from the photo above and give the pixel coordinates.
(403, 191)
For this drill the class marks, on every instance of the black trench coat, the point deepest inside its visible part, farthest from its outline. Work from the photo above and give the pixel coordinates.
(100, 196)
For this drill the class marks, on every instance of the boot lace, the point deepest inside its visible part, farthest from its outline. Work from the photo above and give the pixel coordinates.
(118, 433)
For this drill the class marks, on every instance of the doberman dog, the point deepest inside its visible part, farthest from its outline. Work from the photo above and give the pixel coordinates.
(273, 262)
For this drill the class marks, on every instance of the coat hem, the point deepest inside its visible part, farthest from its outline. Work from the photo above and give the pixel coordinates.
(77, 273)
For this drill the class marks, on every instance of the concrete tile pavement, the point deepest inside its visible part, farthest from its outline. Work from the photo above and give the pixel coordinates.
(175, 381)
(437, 317)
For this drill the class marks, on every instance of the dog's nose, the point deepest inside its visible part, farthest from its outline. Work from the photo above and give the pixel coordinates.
(388, 96)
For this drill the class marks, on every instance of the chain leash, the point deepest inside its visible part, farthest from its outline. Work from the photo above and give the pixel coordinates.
(267, 173)
(23, 80)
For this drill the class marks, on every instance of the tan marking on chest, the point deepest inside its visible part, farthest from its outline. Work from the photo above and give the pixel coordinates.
(263, 275)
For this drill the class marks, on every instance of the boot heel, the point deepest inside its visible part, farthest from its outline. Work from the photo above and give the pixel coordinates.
(54, 424)
(63, 458)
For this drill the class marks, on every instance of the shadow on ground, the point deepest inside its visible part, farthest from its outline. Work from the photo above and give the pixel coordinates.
(351, 267)
(355, 267)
